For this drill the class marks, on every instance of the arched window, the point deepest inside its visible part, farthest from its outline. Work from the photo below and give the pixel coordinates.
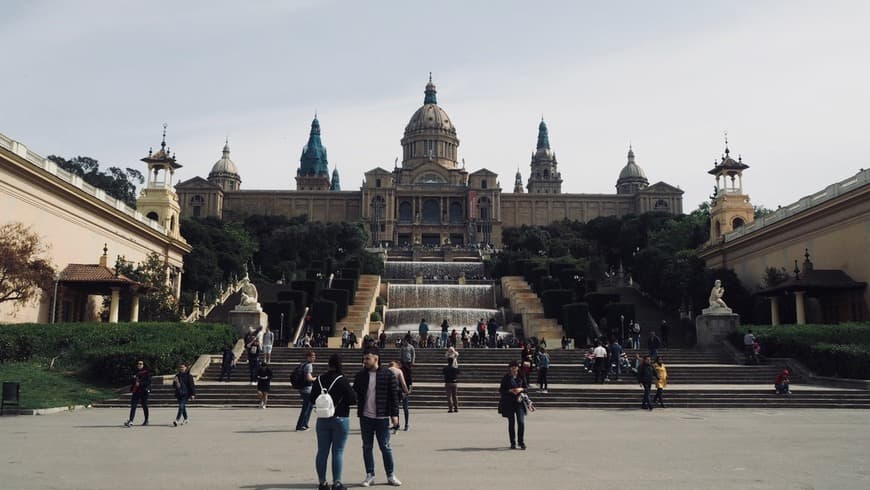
(717, 229)
(153, 215)
(431, 211)
(737, 223)
(661, 205)
(405, 213)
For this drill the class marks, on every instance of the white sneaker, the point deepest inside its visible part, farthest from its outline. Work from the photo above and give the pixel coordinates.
(392, 480)
(370, 479)
(184, 422)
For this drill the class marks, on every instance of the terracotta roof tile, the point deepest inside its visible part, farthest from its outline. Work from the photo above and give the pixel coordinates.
(92, 273)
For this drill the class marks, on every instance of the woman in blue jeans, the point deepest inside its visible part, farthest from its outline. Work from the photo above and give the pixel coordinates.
(510, 406)
(332, 431)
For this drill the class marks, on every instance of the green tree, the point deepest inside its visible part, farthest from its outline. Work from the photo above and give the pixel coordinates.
(116, 182)
(23, 270)
(158, 304)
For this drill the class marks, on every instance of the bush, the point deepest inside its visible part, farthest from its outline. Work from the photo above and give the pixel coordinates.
(107, 352)
(375, 317)
(829, 350)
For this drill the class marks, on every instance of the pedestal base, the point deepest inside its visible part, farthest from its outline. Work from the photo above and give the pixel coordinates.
(244, 319)
(712, 329)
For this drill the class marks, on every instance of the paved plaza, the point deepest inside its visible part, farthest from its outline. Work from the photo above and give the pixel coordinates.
(257, 449)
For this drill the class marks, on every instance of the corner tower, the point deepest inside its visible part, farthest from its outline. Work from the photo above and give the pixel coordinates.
(544, 177)
(313, 173)
(158, 201)
(429, 135)
(730, 208)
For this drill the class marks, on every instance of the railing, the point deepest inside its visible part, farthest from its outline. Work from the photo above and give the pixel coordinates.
(830, 192)
(299, 327)
(47, 165)
(201, 311)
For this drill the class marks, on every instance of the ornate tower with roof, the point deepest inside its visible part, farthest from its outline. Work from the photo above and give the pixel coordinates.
(429, 135)
(544, 177)
(158, 200)
(518, 183)
(224, 173)
(313, 173)
(730, 208)
(631, 178)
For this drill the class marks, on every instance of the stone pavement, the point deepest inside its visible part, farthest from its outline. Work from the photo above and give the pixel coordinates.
(619, 449)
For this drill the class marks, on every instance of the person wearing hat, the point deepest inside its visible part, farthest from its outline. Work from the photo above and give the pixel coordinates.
(510, 406)
(781, 383)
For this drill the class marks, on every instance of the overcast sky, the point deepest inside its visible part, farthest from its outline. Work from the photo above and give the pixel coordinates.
(789, 81)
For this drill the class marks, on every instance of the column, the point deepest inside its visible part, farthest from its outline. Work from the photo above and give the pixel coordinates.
(113, 308)
(799, 307)
(774, 311)
(134, 309)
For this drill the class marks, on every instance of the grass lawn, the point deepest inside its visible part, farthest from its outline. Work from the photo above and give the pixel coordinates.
(41, 388)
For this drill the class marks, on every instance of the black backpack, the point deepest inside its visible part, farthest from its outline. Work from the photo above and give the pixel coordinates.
(297, 377)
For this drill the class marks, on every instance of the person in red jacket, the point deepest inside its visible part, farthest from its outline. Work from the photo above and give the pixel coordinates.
(140, 388)
(781, 383)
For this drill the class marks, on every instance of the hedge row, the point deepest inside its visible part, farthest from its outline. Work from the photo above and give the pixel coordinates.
(829, 350)
(107, 352)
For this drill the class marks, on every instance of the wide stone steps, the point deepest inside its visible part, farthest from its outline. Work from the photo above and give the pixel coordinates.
(558, 374)
(476, 397)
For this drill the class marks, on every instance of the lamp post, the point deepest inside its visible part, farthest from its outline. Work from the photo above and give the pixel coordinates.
(54, 298)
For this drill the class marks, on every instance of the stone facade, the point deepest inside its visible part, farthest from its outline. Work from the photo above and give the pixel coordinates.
(431, 198)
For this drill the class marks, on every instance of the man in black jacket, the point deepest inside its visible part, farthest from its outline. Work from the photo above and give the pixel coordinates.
(377, 392)
(185, 389)
(646, 374)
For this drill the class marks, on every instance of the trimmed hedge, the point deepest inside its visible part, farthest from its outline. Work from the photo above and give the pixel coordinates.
(554, 299)
(107, 352)
(841, 350)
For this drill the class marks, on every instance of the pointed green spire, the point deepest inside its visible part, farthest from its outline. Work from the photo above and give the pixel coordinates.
(313, 160)
(335, 185)
(543, 137)
(430, 92)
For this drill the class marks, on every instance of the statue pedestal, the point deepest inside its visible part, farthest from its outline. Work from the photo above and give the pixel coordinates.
(242, 319)
(712, 328)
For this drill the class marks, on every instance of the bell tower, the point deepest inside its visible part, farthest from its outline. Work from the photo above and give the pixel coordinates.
(158, 199)
(730, 208)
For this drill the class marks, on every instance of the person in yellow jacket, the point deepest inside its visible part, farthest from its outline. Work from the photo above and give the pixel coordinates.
(662, 382)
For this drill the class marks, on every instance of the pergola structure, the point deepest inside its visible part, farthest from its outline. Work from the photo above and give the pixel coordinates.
(79, 281)
(841, 298)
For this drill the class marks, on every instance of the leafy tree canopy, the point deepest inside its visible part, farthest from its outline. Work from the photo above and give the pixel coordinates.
(23, 270)
(118, 183)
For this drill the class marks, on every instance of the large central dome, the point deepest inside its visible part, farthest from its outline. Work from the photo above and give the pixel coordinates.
(430, 135)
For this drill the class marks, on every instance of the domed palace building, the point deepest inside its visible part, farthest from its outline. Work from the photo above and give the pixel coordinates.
(430, 198)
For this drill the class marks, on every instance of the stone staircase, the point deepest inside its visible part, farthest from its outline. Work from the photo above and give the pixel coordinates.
(697, 379)
(526, 302)
(364, 302)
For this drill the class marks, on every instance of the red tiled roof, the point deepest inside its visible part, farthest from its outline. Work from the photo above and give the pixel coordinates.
(92, 273)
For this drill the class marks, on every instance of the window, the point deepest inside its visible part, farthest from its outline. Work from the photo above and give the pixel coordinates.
(153, 215)
(737, 223)
(661, 205)
(483, 184)
(197, 211)
(377, 182)
(456, 213)
(431, 211)
(405, 212)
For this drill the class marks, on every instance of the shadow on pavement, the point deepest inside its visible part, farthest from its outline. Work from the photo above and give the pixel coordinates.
(475, 449)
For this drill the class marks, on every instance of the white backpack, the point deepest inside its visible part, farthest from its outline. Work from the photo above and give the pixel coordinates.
(324, 406)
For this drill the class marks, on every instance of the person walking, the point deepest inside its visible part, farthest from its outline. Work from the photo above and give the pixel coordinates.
(662, 382)
(268, 341)
(332, 432)
(646, 374)
(185, 389)
(396, 368)
(616, 352)
(139, 389)
(543, 369)
(253, 347)
(599, 365)
(654, 343)
(307, 374)
(228, 360)
(635, 336)
(451, 385)
(377, 391)
(264, 384)
(510, 406)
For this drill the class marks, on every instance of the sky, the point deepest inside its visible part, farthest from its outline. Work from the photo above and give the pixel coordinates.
(787, 80)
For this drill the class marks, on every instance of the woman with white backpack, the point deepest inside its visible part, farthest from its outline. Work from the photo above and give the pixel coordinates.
(332, 396)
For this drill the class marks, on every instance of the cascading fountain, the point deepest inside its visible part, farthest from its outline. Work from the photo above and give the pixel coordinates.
(463, 305)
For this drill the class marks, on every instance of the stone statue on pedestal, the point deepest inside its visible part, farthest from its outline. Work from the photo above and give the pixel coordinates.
(717, 304)
(249, 296)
